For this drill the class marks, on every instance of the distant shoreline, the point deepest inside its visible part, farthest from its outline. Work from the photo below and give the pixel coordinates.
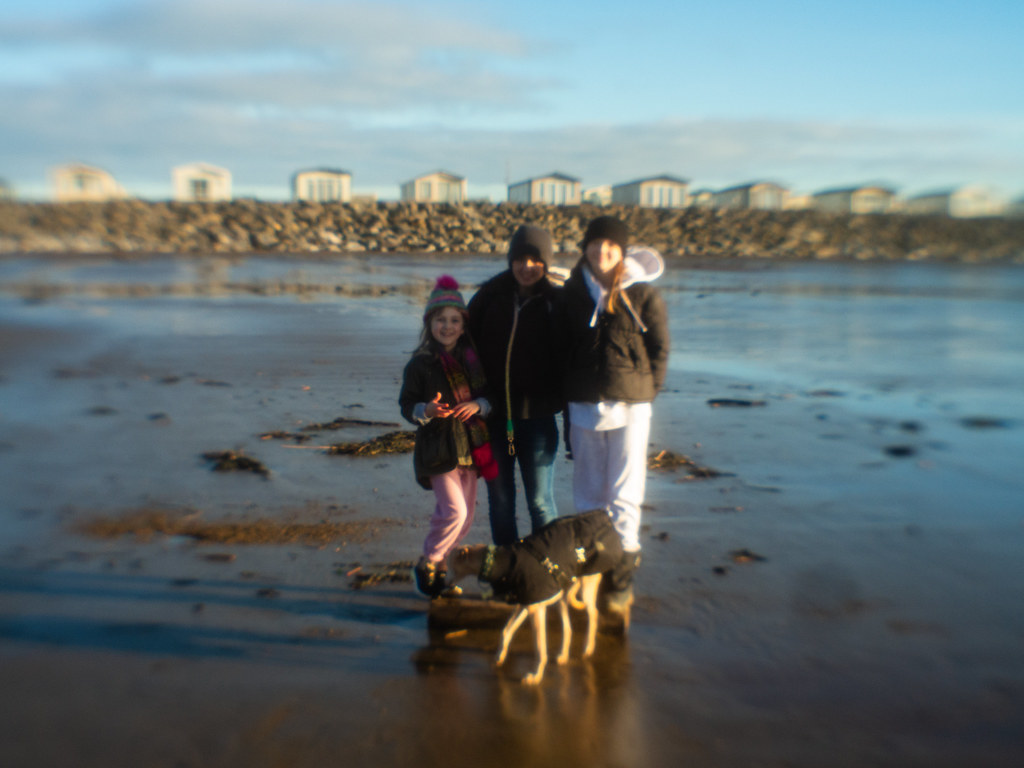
(138, 228)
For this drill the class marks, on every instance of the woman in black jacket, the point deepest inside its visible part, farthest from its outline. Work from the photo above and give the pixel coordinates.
(614, 334)
(511, 320)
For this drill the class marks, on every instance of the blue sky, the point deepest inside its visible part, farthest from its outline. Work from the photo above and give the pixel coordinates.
(916, 94)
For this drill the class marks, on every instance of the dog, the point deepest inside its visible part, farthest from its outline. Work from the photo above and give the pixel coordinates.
(561, 564)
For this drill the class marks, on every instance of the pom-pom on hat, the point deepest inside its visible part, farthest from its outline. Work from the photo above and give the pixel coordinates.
(607, 228)
(445, 294)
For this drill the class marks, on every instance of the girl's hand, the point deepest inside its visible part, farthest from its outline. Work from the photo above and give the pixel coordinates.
(466, 411)
(436, 409)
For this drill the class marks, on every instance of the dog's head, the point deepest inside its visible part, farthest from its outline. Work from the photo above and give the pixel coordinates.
(467, 561)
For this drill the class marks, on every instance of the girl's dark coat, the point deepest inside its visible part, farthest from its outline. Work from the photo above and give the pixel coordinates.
(422, 379)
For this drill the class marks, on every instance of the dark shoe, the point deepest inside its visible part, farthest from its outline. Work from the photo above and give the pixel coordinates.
(621, 576)
(426, 576)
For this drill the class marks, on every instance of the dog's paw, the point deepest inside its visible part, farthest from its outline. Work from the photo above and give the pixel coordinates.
(563, 659)
(533, 678)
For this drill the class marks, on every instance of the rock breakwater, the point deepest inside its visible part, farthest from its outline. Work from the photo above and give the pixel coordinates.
(247, 226)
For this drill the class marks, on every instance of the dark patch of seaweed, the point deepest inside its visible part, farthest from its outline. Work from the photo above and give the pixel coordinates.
(393, 442)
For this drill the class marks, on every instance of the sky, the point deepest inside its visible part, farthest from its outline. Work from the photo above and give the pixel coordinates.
(918, 95)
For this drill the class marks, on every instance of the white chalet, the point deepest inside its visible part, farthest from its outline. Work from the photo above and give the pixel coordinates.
(762, 195)
(322, 185)
(553, 189)
(200, 183)
(867, 199)
(83, 183)
(436, 187)
(654, 192)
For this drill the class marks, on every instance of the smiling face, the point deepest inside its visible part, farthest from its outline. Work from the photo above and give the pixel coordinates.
(528, 271)
(603, 256)
(446, 326)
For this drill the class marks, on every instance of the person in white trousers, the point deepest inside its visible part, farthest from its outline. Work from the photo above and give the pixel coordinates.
(614, 331)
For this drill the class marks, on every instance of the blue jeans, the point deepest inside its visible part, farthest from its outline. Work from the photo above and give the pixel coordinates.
(536, 442)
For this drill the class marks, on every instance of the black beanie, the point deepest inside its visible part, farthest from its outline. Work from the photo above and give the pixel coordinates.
(607, 228)
(531, 241)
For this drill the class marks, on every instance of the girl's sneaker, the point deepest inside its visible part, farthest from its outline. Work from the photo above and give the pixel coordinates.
(427, 581)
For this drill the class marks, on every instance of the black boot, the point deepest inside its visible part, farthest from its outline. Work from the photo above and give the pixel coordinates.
(427, 581)
(619, 597)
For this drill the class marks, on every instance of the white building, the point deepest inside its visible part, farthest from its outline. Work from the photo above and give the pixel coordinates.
(83, 183)
(963, 202)
(200, 182)
(867, 199)
(762, 195)
(601, 195)
(797, 202)
(702, 198)
(436, 187)
(654, 192)
(553, 189)
(322, 185)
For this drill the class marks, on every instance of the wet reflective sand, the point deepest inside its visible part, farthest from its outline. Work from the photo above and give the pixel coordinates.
(845, 592)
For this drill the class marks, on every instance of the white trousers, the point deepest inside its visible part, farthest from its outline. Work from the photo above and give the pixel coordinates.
(610, 472)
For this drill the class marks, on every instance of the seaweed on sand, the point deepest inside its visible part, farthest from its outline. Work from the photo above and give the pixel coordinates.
(146, 523)
(304, 433)
(396, 572)
(669, 460)
(392, 442)
(233, 461)
(342, 422)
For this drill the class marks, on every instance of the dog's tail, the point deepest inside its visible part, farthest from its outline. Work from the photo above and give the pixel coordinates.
(572, 596)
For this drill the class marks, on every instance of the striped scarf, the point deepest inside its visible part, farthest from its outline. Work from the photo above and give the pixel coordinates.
(469, 387)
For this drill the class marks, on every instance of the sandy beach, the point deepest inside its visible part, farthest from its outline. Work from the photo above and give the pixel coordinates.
(843, 589)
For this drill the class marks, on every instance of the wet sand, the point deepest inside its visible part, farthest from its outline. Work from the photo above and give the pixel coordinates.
(788, 617)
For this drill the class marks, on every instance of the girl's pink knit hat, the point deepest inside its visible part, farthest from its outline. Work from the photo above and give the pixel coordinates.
(445, 294)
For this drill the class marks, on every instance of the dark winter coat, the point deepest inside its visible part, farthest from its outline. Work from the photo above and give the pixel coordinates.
(422, 379)
(533, 371)
(617, 360)
(538, 567)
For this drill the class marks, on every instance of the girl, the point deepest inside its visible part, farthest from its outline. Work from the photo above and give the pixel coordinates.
(616, 343)
(443, 394)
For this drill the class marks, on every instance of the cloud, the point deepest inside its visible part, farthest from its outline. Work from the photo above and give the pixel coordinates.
(389, 90)
(284, 54)
(196, 27)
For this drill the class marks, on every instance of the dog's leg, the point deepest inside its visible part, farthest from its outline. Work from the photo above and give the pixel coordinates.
(539, 617)
(563, 607)
(509, 632)
(589, 593)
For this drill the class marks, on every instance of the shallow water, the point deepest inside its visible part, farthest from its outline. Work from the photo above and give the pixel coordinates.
(929, 357)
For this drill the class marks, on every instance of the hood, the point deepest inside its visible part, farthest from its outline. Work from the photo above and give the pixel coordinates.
(643, 265)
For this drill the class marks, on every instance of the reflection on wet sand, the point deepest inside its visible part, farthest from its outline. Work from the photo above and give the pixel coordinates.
(584, 713)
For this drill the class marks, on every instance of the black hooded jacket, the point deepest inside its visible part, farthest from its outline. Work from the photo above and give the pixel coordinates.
(624, 357)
